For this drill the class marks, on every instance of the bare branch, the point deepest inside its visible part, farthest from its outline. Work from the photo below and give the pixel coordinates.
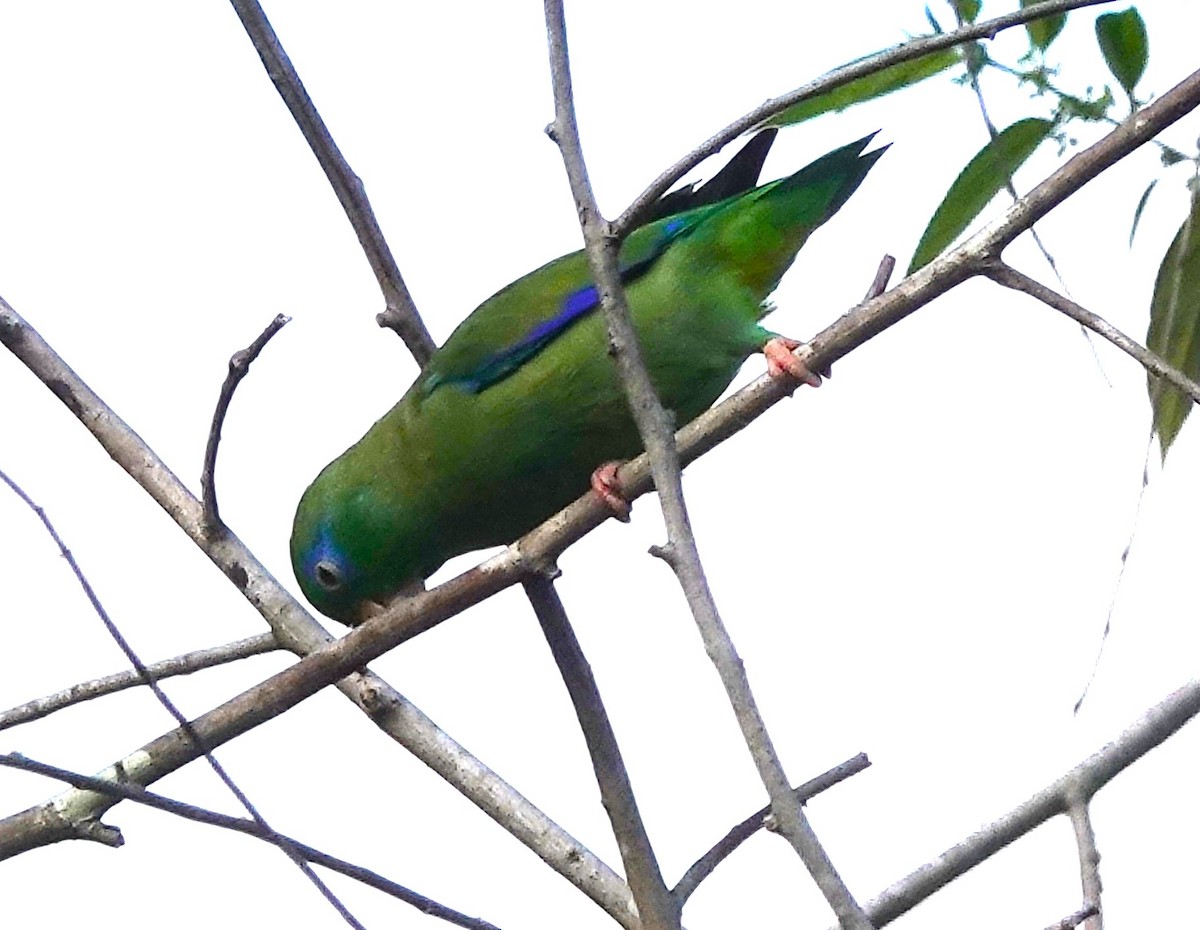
(1078, 785)
(1089, 860)
(184, 725)
(883, 276)
(916, 48)
(704, 866)
(1155, 364)
(400, 312)
(136, 793)
(239, 366)
(1072, 921)
(110, 684)
(656, 428)
(656, 907)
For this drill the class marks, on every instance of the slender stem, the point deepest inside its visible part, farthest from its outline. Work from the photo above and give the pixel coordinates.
(239, 366)
(656, 428)
(1080, 784)
(110, 684)
(704, 866)
(1089, 860)
(1009, 277)
(1071, 921)
(400, 311)
(908, 51)
(250, 827)
(656, 908)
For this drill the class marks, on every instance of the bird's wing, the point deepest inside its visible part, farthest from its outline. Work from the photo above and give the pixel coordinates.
(519, 321)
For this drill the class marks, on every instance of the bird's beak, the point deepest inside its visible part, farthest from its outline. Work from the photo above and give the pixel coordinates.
(367, 609)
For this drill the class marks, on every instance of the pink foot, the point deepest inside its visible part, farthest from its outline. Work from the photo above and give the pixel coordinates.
(781, 361)
(608, 489)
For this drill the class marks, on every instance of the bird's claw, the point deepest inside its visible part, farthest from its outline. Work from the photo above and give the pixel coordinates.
(781, 361)
(608, 488)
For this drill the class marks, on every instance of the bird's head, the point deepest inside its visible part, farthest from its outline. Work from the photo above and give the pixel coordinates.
(350, 549)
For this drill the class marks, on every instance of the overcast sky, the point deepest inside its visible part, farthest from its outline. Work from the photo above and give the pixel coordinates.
(957, 497)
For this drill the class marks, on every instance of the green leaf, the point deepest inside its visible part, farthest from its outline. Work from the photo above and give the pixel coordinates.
(1122, 38)
(1045, 30)
(1175, 327)
(1137, 213)
(983, 178)
(967, 10)
(870, 87)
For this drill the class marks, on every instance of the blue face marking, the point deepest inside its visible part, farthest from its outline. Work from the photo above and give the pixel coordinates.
(325, 564)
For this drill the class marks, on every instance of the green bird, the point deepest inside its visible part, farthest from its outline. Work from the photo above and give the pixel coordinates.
(520, 410)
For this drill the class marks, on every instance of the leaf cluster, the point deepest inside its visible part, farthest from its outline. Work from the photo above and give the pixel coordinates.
(1174, 325)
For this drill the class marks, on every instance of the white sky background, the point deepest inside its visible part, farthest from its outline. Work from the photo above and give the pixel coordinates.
(915, 561)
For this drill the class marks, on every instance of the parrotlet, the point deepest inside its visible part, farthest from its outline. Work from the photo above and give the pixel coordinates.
(520, 411)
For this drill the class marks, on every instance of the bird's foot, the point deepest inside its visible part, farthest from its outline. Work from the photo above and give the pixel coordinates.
(781, 361)
(608, 488)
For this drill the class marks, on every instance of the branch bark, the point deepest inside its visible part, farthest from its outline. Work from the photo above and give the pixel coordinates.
(656, 428)
(1009, 277)
(400, 312)
(1078, 785)
(657, 910)
(139, 795)
(110, 684)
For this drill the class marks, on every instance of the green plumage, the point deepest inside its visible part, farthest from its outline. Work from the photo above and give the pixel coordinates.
(512, 415)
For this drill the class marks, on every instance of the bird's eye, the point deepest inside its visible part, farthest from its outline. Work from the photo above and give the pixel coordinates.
(328, 575)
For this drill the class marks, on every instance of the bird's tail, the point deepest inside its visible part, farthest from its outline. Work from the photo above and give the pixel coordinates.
(757, 236)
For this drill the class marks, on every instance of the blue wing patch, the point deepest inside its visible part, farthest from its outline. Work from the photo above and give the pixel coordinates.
(575, 305)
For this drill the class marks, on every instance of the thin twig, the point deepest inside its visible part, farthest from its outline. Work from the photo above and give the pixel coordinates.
(1081, 783)
(908, 51)
(400, 312)
(883, 276)
(704, 866)
(139, 795)
(110, 684)
(1155, 364)
(656, 908)
(656, 429)
(1072, 921)
(1009, 277)
(1120, 579)
(184, 725)
(239, 365)
(973, 76)
(1089, 859)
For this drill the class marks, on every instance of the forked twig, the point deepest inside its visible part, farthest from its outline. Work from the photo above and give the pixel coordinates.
(400, 313)
(239, 366)
(704, 866)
